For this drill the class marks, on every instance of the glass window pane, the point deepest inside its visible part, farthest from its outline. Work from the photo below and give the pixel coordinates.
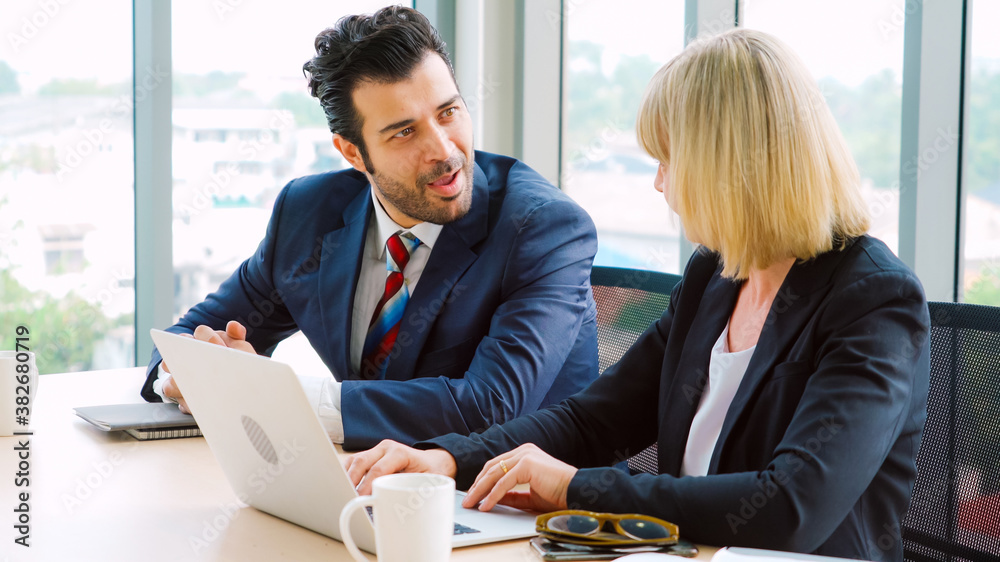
(66, 183)
(603, 167)
(244, 125)
(981, 185)
(857, 57)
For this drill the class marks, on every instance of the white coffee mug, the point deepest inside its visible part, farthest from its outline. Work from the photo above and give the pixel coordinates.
(18, 388)
(414, 517)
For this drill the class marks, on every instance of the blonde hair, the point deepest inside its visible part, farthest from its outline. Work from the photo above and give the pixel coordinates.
(759, 171)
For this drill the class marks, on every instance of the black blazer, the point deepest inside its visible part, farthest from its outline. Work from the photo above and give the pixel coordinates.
(818, 448)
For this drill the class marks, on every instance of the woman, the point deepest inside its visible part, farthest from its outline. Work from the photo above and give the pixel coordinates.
(785, 385)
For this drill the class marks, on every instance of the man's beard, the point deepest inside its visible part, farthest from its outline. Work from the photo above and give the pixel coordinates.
(414, 201)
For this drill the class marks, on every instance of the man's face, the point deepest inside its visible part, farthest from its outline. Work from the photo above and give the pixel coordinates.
(419, 139)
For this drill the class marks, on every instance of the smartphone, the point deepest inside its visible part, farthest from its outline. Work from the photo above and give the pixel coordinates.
(549, 550)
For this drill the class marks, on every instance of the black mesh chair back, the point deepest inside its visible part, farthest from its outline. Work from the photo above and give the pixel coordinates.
(628, 301)
(954, 510)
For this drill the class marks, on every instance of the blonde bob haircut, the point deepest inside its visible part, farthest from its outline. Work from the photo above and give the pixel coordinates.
(755, 165)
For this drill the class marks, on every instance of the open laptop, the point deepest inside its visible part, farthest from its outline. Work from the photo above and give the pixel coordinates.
(275, 452)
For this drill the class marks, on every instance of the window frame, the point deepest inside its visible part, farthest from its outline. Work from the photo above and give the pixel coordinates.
(516, 103)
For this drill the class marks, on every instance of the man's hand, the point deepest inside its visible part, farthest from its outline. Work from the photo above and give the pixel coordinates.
(547, 477)
(390, 457)
(235, 336)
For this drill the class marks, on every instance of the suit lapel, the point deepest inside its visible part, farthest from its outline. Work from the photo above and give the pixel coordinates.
(691, 375)
(450, 258)
(793, 307)
(340, 265)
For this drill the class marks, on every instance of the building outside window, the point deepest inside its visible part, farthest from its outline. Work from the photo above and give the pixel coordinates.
(66, 182)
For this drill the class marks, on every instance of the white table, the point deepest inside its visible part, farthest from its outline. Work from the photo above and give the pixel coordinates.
(105, 496)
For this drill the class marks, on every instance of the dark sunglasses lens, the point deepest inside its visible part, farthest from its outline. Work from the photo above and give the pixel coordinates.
(577, 524)
(644, 530)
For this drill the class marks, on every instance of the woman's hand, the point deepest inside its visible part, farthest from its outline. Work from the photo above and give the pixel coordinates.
(547, 477)
(390, 457)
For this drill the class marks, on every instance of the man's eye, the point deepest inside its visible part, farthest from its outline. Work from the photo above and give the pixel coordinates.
(404, 133)
(449, 112)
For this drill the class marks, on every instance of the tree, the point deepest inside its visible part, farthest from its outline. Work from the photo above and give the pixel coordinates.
(305, 108)
(983, 137)
(77, 87)
(200, 85)
(985, 289)
(8, 80)
(62, 332)
(870, 118)
(602, 106)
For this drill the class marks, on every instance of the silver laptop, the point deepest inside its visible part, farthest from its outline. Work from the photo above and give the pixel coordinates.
(276, 454)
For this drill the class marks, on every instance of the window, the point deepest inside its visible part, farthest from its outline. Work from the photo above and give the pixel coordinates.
(66, 182)
(244, 125)
(604, 169)
(857, 57)
(981, 185)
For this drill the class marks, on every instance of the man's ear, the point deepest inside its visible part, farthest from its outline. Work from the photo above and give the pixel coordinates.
(350, 152)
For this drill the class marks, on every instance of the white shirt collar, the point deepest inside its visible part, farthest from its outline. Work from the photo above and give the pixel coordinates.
(426, 232)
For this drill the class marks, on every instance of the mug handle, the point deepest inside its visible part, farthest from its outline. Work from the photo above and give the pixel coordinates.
(345, 524)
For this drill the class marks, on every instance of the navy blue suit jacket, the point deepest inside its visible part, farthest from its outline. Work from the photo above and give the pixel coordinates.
(817, 451)
(502, 322)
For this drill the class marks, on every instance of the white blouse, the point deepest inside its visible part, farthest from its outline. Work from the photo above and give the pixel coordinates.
(725, 372)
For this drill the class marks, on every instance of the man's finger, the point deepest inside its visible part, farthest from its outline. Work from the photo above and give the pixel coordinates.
(391, 463)
(234, 335)
(346, 462)
(236, 330)
(241, 345)
(163, 364)
(360, 463)
(170, 388)
(207, 334)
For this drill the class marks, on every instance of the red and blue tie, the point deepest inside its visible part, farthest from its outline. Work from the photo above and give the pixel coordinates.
(388, 313)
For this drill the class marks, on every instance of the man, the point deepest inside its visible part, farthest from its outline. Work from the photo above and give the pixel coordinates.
(448, 290)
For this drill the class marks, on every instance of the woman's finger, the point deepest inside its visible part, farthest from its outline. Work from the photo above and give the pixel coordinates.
(503, 485)
(491, 473)
(518, 500)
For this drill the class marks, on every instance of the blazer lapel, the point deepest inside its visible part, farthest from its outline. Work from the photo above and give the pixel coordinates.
(793, 307)
(340, 265)
(691, 375)
(450, 258)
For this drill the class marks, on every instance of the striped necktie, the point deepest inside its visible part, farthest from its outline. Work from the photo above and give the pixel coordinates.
(389, 311)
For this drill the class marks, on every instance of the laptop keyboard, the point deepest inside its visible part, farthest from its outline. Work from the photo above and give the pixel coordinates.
(463, 530)
(459, 528)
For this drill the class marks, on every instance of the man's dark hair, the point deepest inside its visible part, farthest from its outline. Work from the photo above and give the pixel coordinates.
(382, 48)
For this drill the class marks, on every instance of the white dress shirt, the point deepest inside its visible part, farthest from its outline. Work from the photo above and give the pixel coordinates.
(324, 392)
(725, 373)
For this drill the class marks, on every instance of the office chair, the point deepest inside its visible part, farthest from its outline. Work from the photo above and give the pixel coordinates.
(628, 301)
(954, 510)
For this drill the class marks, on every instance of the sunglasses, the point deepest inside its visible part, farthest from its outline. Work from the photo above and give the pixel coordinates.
(590, 528)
